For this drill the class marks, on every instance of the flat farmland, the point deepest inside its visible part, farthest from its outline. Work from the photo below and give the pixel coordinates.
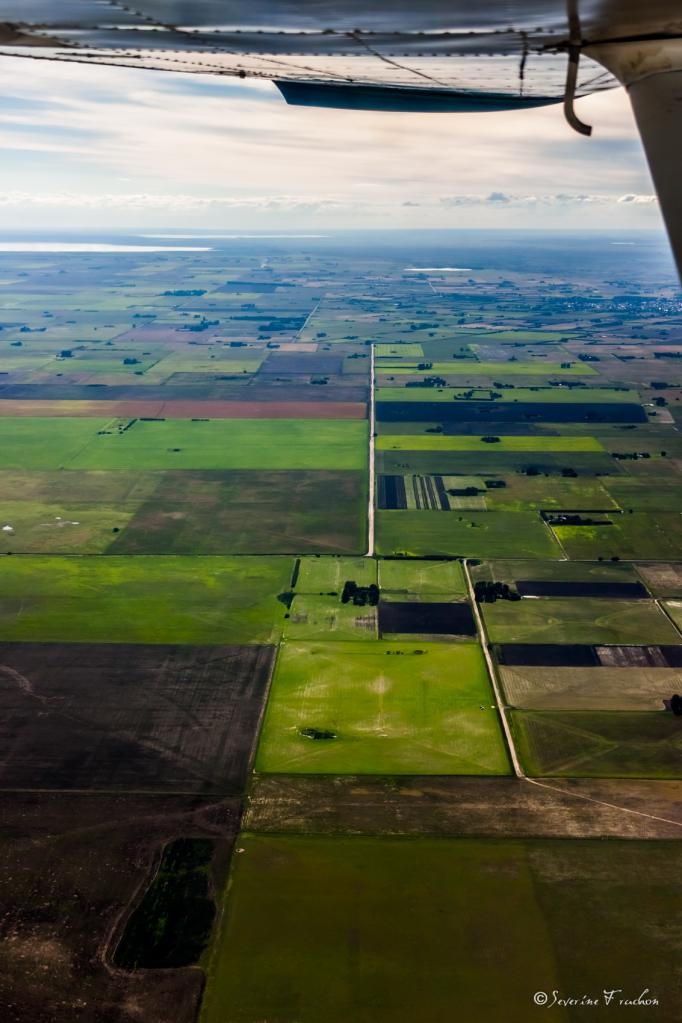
(494, 462)
(182, 444)
(179, 409)
(439, 442)
(32, 527)
(320, 576)
(248, 512)
(416, 578)
(599, 744)
(411, 926)
(578, 620)
(664, 580)
(655, 535)
(522, 395)
(73, 864)
(324, 616)
(470, 368)
(130, 717)
(608, 572)
(387, 707)
(199, 600)
(535, 687)
(534, 493)
(471, 534)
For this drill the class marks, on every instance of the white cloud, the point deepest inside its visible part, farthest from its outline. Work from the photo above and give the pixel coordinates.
(179, 146)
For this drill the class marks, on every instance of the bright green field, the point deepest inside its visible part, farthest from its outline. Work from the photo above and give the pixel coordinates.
(540, 395)
(577, 620)
(599, 744)
(415, 578)
(322, 616)
(468, 367)
(142, 599)
(382, 930)
(394, 711)
(469, 534)
(328, 574)
(438, 442)
(655, 535)
(183, 444)
(408, 350)
(61, 528)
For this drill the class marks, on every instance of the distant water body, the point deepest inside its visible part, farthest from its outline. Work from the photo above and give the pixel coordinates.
(437, 269)
(255, 237)
(96, 247)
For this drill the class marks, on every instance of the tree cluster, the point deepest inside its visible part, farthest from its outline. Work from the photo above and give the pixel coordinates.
(487, 592)
(360, 595)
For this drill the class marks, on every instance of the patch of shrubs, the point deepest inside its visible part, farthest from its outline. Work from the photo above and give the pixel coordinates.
(360, 595)
(488, 592)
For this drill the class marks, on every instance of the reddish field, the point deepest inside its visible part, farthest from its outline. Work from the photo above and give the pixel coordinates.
(188, 409)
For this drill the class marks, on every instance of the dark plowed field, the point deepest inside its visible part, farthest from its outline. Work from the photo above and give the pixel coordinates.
(265, 388)
(130, 717)
(426, 619)
(508, 412)
(304, 362)
(391, 492)
(72, 866)
(575, 655)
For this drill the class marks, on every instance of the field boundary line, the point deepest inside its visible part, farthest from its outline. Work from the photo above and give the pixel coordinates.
(602, 802)
(372, 476)
(518, 770)
(658, 601)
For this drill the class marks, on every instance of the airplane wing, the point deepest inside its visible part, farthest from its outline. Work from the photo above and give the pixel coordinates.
(429, 55)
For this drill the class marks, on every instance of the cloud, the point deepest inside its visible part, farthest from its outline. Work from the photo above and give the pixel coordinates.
(198, 148)
(639, 200)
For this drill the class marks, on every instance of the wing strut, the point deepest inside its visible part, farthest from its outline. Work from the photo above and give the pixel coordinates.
(651, 71)
(569, 92)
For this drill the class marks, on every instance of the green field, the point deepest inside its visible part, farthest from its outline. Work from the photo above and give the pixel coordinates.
(555, 571)
(326, 574)
(249, 511)
(323, 616)
(392, 710)
(142, 599)
(534, 493)
(377, 930)
(655, 535)
(401, 351)
(471, 534)
(246, 511)
(182, 444)
(468, 367)
(439, 442)
(540, 395)
(577, 620)
(599, 744)
(421, 578)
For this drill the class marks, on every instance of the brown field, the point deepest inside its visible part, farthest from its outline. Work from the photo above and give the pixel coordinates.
(457, 806)
(72, 865)
(535, 687)
(187, 409)
(130, 717)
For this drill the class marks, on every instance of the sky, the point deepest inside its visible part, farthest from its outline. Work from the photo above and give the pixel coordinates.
(104, 148)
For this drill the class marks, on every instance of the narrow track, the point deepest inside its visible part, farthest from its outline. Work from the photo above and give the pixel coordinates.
(372, 478)
(518, 770)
